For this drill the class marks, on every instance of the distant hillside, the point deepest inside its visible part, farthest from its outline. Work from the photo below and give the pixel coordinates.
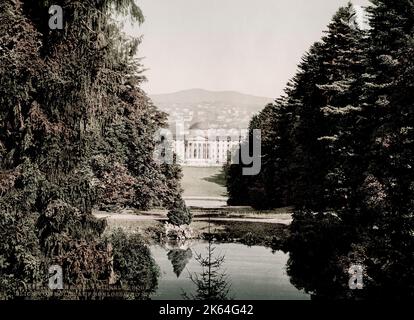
(196, 96)
(226, 109)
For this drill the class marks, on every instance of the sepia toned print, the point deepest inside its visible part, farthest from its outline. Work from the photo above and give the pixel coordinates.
(194, 150)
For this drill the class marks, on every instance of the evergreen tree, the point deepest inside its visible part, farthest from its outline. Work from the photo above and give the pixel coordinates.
(277, 149)
(387, 189)
(211, 283)
(341, 142)
(270, 188)
(329, 141)
(237, 185)
(365, 214)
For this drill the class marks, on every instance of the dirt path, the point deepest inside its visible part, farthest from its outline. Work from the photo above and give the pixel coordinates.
(283, 218)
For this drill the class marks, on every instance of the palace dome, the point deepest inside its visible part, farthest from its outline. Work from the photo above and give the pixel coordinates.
(200, 125)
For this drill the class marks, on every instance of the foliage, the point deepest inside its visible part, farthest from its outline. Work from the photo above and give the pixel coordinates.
(179, 259)
(339, 148)
(75, 129)
(211, 283)
(179, 214)
(133, 264)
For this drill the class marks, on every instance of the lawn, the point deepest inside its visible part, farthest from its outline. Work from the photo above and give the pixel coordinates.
(203, 182)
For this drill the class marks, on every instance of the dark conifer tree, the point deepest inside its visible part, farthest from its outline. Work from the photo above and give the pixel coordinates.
(387, 189)
(331, 134)
(270, 188)
(211, 283)
(365, 216)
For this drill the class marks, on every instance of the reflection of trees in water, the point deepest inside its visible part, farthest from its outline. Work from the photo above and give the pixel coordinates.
(179, 259)
(134, 266)
(322, 251)
(127, 271)
(312, 265)
(211, 283)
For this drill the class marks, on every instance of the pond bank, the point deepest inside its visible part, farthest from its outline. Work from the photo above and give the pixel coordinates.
(269, 229)
(247, 214)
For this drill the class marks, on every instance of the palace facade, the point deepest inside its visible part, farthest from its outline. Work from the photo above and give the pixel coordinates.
(201, 145)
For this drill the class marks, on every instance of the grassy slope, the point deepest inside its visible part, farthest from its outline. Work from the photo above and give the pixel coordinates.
(203, 182)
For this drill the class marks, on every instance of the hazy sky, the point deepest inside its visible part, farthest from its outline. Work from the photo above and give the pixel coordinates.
(251, 46)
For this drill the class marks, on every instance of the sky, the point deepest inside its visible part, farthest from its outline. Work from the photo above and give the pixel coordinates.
(249, 46)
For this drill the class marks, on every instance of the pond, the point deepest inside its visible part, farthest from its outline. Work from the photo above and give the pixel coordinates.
(236, 272)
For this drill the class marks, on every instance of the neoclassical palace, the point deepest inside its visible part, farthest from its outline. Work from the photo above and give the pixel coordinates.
(201, 145)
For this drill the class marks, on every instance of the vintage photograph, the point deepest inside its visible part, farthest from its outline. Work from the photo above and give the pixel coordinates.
(206, 150)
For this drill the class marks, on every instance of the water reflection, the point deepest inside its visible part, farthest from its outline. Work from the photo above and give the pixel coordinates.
(121, 268)
(212, 283)
(317, 274)
(255, 272)
(321, 258)
(179, 259)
